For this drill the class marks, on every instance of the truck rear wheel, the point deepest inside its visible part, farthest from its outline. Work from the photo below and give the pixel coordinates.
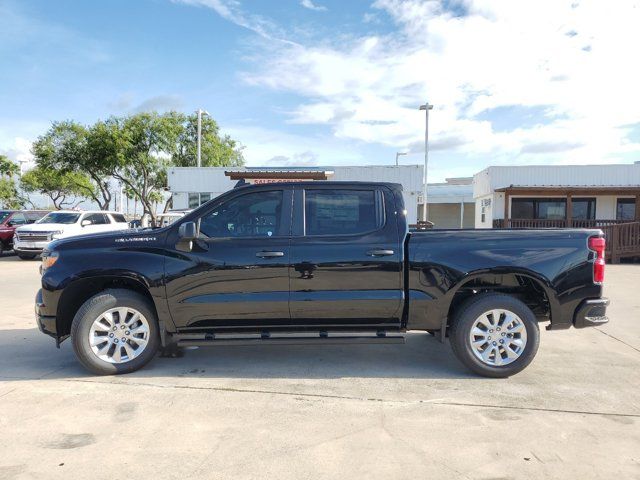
(495, 335)
(115, 331)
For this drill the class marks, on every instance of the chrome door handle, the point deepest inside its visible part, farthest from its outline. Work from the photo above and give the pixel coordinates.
(269, 254)
(380, 253)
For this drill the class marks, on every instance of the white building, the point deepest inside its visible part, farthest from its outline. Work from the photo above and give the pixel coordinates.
(450, 204)
(556, 195)
(526, 196)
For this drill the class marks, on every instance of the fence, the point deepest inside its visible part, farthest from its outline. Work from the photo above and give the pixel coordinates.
(623, 238)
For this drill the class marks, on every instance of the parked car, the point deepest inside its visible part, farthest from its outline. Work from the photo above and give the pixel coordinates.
(12, 219)
(314, 262)
(30, 240)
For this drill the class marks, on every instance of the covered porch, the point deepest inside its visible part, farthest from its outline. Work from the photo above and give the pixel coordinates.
(614, 209)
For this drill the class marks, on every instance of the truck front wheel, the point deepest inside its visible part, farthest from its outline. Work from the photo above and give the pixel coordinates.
(115, 332)
(495, 335)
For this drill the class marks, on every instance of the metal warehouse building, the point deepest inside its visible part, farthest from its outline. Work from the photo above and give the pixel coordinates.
(498, 196)
(450, 204)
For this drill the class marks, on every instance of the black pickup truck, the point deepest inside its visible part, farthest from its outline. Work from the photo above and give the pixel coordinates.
(317, 263)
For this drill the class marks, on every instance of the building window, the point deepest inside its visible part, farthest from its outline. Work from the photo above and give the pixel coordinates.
(626, 209)
(194, 200)
(539, 208)
(584, 208)
(197, 199)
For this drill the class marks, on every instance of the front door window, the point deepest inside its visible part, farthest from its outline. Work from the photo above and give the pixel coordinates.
(255, 214)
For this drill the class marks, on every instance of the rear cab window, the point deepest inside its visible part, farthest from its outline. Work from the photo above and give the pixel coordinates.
(343, 211)
(18, 218)
(34, 216)
(118, 218)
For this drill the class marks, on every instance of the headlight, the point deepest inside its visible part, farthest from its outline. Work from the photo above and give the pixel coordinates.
(49, 259)
(56, 234)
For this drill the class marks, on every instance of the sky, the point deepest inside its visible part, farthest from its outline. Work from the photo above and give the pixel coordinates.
(338, 82)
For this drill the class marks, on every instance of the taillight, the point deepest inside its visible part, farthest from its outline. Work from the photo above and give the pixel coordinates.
(598, 244)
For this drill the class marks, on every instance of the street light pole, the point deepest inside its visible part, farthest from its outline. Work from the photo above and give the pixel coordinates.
(426, 107)
(398, 154)
(200, 112)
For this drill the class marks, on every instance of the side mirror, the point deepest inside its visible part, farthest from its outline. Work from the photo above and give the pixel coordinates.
(188, 231)
(84, 223)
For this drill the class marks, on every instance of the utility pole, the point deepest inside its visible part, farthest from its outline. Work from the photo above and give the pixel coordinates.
(200, 112)
(426, 107)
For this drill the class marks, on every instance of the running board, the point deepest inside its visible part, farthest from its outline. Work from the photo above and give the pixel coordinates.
(212, 341)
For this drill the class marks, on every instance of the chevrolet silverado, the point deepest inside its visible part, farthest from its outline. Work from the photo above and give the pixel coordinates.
(317, 263)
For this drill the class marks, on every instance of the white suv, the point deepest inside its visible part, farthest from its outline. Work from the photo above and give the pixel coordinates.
(30, 240)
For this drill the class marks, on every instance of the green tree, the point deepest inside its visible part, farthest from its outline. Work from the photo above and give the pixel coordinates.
(9, 195)
(141, 147)
(63, 188)
(216, 150)
(72, 148)
(136, 150)
(7, 167)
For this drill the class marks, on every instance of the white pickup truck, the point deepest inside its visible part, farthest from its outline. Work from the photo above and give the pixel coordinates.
(30, 240)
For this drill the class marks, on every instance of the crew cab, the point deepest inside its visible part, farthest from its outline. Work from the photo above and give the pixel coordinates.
(30, 240)
(12, 219)
(317, 263)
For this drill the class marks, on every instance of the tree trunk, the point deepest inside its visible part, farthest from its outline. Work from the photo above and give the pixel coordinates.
(148, 209)
(168, 204)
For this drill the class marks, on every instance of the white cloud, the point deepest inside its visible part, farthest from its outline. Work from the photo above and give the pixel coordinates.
(573, 58)
(19, 152)
(312, 6)
(276, 148)
(231, 10)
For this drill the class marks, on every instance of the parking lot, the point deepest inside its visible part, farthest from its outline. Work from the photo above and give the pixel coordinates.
(394, 411)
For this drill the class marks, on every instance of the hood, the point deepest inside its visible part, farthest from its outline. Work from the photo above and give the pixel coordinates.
(113, 239)
(43, 227)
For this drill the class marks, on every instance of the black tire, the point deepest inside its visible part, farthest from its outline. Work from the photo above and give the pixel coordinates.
(27, 256)
(96, 306)
(466, 316)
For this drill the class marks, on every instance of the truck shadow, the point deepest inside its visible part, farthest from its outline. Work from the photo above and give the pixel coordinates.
(11, 256)
(29, 355)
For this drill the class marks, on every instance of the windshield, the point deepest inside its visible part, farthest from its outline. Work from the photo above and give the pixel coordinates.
(4, 215)
(60, 217)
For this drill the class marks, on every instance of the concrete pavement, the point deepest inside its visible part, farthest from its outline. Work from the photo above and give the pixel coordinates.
(396, 411)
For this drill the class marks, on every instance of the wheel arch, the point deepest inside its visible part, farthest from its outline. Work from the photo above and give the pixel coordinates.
(79, 291)
(534, 289)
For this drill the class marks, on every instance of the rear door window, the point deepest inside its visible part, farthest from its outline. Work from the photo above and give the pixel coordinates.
(97, 218)
(342, 211)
